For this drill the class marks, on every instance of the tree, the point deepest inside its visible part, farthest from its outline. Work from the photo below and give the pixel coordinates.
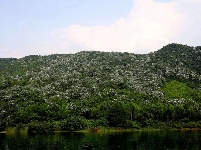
(117, 114)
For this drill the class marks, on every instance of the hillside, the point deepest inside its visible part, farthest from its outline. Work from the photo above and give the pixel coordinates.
(102, 89)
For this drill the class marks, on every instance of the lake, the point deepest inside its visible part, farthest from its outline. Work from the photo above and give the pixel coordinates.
(140, 140)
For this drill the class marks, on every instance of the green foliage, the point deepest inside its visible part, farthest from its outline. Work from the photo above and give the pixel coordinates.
(89, 90)
(117, 114)
(72, 123)
(176, 90)
(42, 126)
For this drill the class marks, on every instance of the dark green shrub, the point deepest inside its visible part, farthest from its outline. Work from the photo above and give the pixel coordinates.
(42, 127)
(73, 123)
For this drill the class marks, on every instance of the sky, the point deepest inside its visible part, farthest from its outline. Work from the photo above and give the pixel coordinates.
(44, 27)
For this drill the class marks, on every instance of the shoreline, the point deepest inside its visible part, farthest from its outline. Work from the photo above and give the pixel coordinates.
(13, 131)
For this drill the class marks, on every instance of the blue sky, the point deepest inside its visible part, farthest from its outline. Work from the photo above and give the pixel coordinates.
(42, 27)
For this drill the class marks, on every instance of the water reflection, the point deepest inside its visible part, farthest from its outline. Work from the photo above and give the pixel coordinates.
(156, 140)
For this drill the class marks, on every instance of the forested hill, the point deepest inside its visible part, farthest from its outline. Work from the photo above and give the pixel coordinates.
(102, 89)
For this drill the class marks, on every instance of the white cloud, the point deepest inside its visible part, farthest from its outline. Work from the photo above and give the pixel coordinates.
(149, 26)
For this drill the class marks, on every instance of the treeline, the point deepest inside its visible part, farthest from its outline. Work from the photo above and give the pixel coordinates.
(120, 108)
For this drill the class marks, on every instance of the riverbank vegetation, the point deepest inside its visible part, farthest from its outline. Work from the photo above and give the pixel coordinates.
(94, 90)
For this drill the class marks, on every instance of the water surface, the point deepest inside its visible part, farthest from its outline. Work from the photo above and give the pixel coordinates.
(141, 140)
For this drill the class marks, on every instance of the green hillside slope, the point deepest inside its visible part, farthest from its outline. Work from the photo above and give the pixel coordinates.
(102, 89)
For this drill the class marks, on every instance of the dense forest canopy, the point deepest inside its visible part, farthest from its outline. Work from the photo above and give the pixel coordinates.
(92, 89)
